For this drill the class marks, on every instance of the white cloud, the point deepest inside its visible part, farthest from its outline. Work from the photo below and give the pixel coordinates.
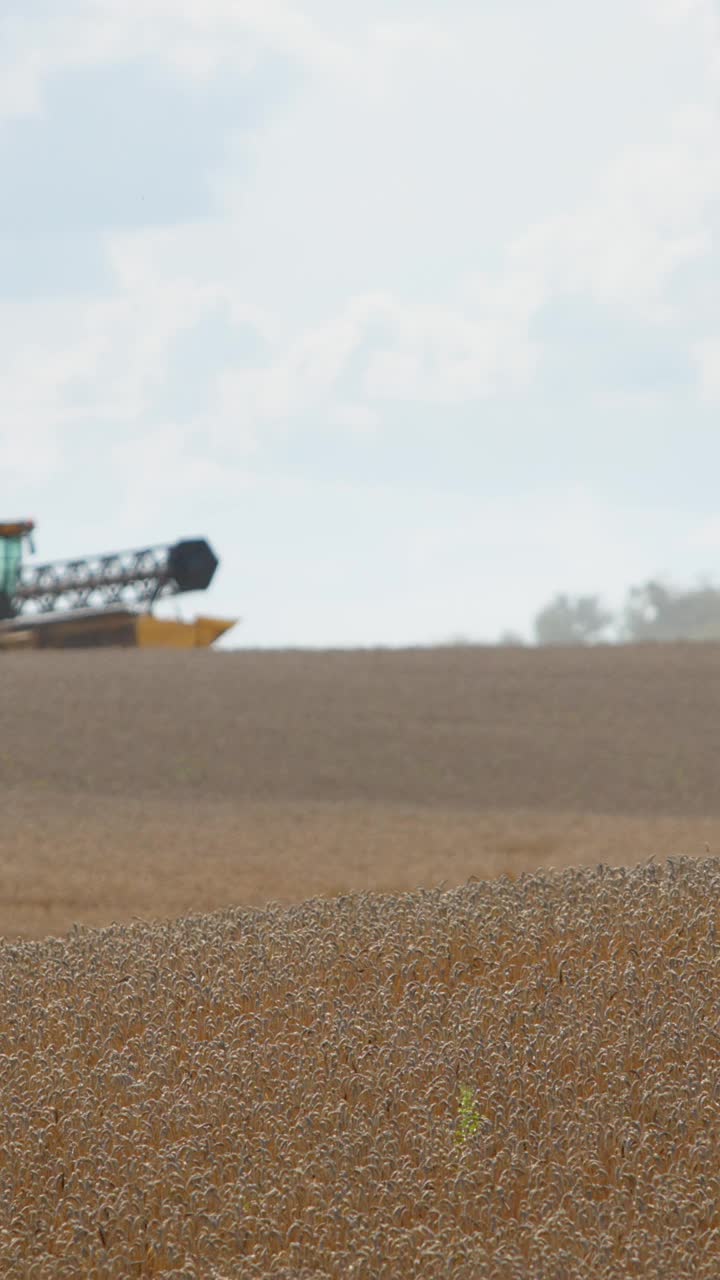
(170, 465)
(434, 354)
(648, 215)
(297, 378)
(448, 354)
(280, 253)
(704, 536)
(356, 419)
(700, 14)
(37, 373)
(196, 36)
(707, 356)
(66, 364)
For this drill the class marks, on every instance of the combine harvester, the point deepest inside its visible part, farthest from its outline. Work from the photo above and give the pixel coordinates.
(102, 600)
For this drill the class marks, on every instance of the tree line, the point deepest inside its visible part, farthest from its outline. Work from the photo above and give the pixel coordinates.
(651, 611)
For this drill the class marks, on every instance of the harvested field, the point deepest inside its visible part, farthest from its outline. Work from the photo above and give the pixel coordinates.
(152, 784)
(503, 1080)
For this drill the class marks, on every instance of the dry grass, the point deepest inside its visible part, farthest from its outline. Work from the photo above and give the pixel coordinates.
(153, 784)
(508, 1079)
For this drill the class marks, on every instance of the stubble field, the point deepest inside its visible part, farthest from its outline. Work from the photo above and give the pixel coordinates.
(518, 1076)
(141, 784)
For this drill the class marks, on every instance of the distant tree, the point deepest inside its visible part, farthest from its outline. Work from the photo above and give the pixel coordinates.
(512, 640)
(654, 611)
(572, 620)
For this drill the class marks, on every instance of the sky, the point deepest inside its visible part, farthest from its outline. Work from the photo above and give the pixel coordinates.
(411, 307)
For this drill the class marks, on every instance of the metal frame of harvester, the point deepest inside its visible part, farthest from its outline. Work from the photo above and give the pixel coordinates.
(103, 599)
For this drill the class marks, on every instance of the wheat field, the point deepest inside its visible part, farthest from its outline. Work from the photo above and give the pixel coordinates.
(370, 1007)
(507, 1079)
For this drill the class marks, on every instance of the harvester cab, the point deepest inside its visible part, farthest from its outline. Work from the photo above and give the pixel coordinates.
(12, 535)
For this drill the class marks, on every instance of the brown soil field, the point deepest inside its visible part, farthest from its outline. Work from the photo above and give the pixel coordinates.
(151, 784)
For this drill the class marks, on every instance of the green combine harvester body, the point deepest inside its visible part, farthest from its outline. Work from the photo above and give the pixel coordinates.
(12, 536)
(102, 600)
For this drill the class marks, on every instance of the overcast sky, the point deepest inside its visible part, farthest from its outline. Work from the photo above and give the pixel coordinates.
(411, 306)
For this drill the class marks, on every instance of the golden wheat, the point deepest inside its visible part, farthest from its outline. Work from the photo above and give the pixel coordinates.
(503, 1080)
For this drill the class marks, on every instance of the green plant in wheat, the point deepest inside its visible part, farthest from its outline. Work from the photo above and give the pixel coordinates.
(469, 1115)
